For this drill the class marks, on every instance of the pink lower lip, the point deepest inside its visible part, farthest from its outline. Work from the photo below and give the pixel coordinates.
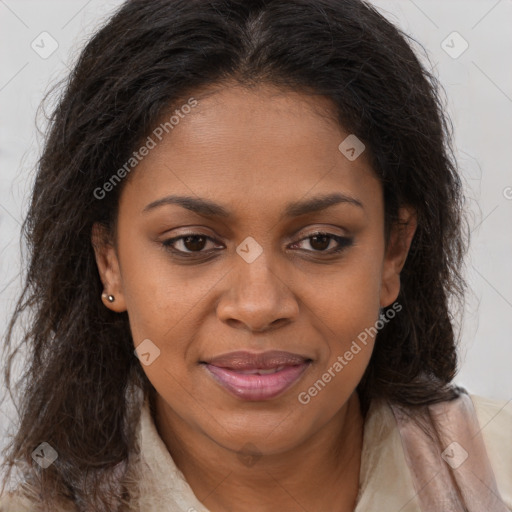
(257, 387)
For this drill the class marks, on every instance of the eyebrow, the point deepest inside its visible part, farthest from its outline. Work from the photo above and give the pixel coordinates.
(295, 209)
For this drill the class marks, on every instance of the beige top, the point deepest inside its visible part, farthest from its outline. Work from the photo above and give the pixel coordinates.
(387, 482)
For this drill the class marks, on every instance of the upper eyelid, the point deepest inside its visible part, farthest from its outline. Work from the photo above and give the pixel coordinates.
(304, 235)
(211, 239)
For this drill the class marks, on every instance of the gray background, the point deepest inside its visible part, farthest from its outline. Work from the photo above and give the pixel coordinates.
(478, 85)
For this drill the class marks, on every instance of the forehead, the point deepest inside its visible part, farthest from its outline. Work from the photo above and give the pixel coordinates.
(254, 125)
(252, 146)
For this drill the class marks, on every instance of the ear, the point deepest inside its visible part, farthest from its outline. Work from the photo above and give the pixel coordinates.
(108, 267)
(400, 239)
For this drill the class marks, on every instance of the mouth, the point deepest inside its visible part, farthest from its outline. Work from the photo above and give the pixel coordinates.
(257, 377)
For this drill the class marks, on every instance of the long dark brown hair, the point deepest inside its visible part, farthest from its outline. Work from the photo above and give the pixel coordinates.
(81, 371)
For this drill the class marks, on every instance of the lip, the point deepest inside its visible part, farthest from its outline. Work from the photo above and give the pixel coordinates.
(231, 371)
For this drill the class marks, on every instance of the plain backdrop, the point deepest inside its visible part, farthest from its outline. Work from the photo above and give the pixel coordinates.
(468, 44)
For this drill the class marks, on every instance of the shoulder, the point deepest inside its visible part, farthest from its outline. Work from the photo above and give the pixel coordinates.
(468, 440)
(15, 503)
(495, 420)
(492, 413)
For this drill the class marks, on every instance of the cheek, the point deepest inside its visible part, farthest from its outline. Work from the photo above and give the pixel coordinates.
(350, 336)
(352, 300)
(167, 305)
(158, 295)
(348, 312)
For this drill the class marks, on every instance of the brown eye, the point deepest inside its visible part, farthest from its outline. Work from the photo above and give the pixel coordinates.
(327, 243)
(320, 242)
(186, 244)
(194, 243)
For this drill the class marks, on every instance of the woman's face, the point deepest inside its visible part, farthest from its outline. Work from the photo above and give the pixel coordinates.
(262, 174)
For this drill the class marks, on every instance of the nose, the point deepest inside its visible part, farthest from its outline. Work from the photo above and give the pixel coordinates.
(257, 298)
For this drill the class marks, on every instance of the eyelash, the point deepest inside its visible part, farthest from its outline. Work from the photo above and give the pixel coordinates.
(343, 243)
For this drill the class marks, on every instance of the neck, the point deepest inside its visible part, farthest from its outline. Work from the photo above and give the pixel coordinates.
(323, 470)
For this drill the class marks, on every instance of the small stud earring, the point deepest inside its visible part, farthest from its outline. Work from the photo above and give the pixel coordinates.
(109, 297)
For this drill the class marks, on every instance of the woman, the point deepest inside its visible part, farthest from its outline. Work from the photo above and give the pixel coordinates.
(245, 231)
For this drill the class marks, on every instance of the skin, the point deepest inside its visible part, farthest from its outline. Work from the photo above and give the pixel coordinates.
(253, 152)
